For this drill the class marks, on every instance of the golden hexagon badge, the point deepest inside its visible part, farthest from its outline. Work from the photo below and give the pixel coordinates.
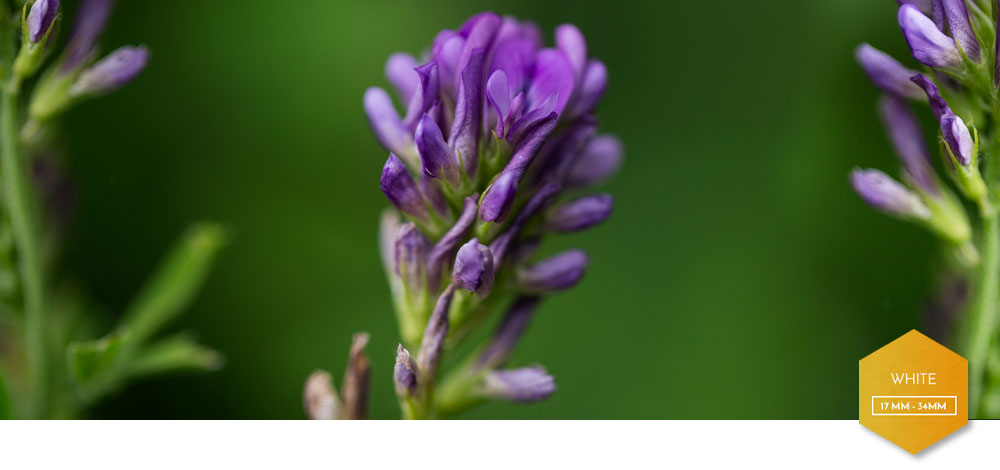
(913, 391)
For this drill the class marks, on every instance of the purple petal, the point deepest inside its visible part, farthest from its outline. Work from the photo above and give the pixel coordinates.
(958, 138)
(908, 140)
(556, 273)
(411, 251)
(929, 45)
(448, 48)
(499, 197)
(474, 268)
(570, 40)
(923, 5)
(40, 18)
(511, 28)
(524, 385)
(887, 74)
(508, 333)
(938, 105)
(553, 75)
(385, 123)
(426, 94)
(958, 20)
(498, 96)
(479, 32)
(435, 155)
(886, 195)
(399, 69)
(404, 375)
(505, 240)
(402, 191)
(559, 153)
(592, 88)
(113, 71)
(580, 214)
(90, 19)
(464, 136)
(446, 245)
(601, 159)
(516, 57)
(434, 335)
(516, 106)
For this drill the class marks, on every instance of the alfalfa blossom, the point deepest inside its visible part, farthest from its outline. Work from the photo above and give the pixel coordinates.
(485, 132)
(958, 82)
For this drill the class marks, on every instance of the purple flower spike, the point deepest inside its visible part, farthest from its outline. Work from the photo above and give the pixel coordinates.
(410, 252)
(474, 268)
(434, 335)
(958, 138)
(929, 45)
(908, 140)
(385, 122)
(89, 23)
(404, 375)
(887, 195)
(600, 159)
(553, 274)
(524, 385)
(580, 214)
(888, 74)
(437, 159)
(113, 71)
(958, 20)
(938, 105)
(40, 18)
(464, 137)
(508, 333)
(402, 191)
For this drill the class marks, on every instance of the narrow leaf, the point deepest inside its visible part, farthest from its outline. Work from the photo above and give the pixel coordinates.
(173, 286)
(175, 354)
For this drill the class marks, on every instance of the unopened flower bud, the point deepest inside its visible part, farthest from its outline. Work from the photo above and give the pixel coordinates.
(357, 379)
(553, 274)
(885, 194)
(111, 72)
(957, 13)
(40, 19)
(404, 375)
(886, 73)
(524, 385)
(474, 268)
(580, 214)
(402, 191)
(929, 45)
(434, 335)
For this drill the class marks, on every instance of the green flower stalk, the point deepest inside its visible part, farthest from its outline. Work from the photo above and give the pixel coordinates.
(56, 364)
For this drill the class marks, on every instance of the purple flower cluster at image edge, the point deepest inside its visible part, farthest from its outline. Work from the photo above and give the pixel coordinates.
(925, 26)
(494, 129)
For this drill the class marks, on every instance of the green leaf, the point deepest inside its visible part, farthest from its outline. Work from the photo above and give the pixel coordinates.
(175, 354)
(89, 359)
(172, 287)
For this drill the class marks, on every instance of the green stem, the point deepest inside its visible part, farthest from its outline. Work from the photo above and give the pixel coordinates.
(17, 194)
(984, 310)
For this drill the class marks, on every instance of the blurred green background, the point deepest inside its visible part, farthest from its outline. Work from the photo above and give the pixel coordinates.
(739, 277)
